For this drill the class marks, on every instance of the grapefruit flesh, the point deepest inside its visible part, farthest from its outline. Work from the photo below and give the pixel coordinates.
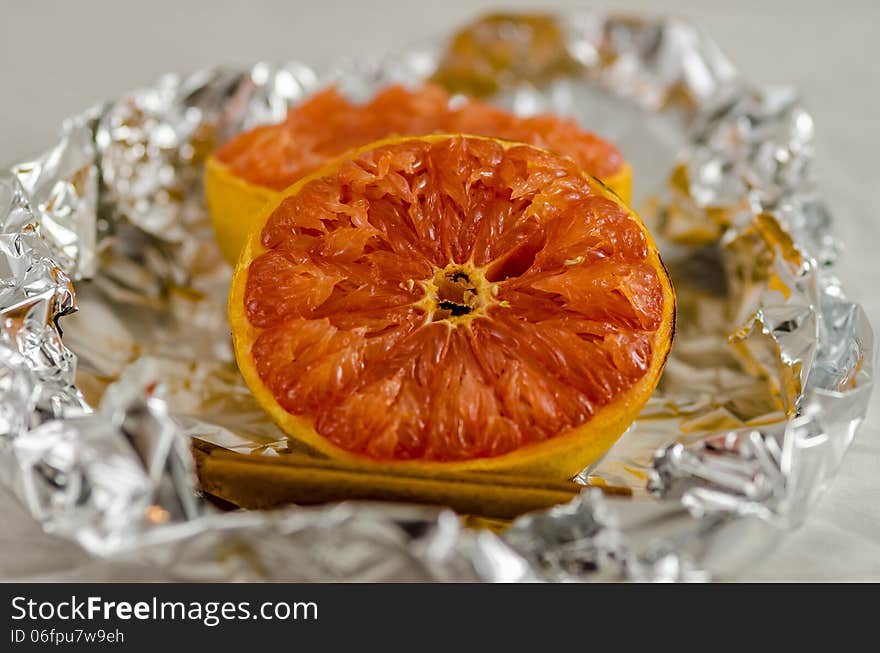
(248, 170)
(329, 124)
(452, 301)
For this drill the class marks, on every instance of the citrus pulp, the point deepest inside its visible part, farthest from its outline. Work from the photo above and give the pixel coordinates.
(251, 168)
(452, 302)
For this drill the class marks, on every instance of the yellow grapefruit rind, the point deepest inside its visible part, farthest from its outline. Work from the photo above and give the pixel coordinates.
(621, 182)
(234, 203)
(560, 457)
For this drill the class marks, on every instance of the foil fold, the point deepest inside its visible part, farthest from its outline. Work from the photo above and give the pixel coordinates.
(96, 443)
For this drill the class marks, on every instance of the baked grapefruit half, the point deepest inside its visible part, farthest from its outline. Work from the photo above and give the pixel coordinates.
(452, 302)
(250, 169)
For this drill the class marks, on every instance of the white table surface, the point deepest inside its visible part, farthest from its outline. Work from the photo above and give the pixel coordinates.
(57, 58)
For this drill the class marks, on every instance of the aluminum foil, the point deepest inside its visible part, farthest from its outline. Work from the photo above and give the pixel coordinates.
(769, 377)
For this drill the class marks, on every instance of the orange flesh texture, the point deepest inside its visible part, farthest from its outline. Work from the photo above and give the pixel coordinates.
(328, 124)
(451, 299)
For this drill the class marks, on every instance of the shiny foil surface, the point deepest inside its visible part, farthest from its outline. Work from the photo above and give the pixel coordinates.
(106, 237)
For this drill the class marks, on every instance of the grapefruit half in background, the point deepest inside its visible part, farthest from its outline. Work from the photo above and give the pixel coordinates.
(249, 170)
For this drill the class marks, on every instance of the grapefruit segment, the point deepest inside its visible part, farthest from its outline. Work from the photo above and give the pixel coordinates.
(454, 302)
(251, 168)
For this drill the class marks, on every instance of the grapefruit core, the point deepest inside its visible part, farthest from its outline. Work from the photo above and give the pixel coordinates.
(253, 167)
(452, 302)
